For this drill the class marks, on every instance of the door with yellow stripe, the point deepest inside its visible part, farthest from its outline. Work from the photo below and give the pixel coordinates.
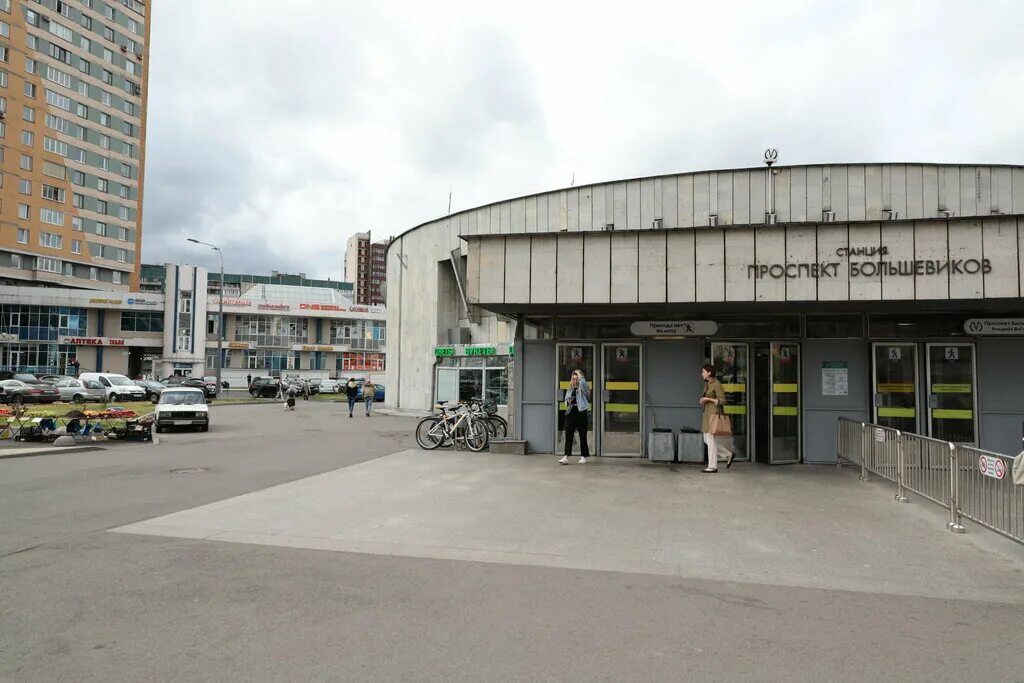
(951, 409)
(785, 385)
(574, 357)
(621, 400)
(895, 395)
(732, 368)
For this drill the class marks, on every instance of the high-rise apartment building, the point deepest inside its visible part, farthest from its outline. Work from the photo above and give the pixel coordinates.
(365, 268)
(73, 87)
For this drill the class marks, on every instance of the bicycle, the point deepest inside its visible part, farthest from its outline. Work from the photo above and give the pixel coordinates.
(446, 429)
(486, 410)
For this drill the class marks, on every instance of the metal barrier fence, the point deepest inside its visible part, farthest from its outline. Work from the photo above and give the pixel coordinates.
(968, 481)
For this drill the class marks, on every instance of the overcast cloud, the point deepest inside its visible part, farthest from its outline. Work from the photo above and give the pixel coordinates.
(276, 130)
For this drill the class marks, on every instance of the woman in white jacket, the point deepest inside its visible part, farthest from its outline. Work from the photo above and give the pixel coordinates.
(577, 404)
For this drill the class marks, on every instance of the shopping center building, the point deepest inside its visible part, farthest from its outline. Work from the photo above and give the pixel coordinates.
(888, 293)
(269, 329)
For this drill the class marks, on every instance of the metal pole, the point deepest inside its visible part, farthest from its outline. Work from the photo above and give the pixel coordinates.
(900, 495)
(863, 452)
(220, 322)
(954, 523)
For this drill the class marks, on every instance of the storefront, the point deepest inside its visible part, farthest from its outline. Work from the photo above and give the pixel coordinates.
(888, 293)
(467, 373)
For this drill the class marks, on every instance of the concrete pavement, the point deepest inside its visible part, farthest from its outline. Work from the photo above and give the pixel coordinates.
(81, 603)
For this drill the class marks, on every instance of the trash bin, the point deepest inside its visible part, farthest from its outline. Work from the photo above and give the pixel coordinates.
(661, 445)
(690, 445)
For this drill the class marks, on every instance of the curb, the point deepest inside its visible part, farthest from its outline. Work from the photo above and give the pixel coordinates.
(29, 452)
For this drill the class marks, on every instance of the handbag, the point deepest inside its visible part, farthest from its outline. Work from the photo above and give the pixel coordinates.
(720, 424)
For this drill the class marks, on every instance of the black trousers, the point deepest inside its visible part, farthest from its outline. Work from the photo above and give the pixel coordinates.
(576, 421)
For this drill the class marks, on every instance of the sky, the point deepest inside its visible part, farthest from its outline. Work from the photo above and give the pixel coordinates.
(277, 130)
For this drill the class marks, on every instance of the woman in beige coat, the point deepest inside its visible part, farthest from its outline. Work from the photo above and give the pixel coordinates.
(710, 400)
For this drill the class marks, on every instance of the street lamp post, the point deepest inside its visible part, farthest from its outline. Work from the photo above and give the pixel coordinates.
(220, 310)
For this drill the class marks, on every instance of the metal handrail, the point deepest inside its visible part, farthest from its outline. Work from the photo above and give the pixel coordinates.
(954, 476)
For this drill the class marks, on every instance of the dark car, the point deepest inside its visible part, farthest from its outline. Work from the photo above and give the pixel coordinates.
(17, 392)
(213, 380)
(264, 387)
(26, 377)
(152, 387)
(210, 389)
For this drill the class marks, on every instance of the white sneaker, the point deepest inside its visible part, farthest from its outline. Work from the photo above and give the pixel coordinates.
(583, 461)
(564, 460)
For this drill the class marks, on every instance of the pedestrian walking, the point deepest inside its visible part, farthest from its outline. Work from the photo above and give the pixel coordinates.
(352, 392)
(289, 403)
(577, 403)
(305, 390)
(712, 401)
(248, 381)
(369, 393)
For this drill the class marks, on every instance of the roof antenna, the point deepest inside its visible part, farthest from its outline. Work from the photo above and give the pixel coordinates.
(573, 183)
(449, 203)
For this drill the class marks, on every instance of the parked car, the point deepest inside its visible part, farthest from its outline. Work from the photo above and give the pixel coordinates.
(213, 378)
(18, 392)
(26, 377)
(264, 387)
(325, 386)
(182, 406)
(152, 387)
(209, 389)
(80, 391)
(378, 395)
(118, 387)
(53, 379)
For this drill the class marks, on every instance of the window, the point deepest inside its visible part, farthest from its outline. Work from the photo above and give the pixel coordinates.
(60, 53)
(64, 8)
(122, 255)
(15, 260)
(76, 246)
(52, 217)
(107, 77)
(129, 108)
(78, 201)
(50, 265)
(102, 184)
(117, 277)
(122, 234)
(110, 12)
(76, 223)
(58, 100)
(5, 29)
(22, 236)
(126, 170)
(5, 5)
(124, 213)
(101, 206)
(61, 31)
(58, 123)
(25, 186)
(83, 65)
(30, 90)
(55, 146)
(3, 53)
(26, 162)
(105, 97)
(142, 321)
(31, 42)
(107, 54)
(53, 193)
(83, 111)
(28, 114)
(132, 67)
(83, 88)
(28, 138)
(23, 211)
(57, 76)
(105, 141)
(3, 79)
(105, 119)
(94, 273)
(86, 22)
(133, 26)
(50, 240)
(77, 178)
(101, 229)
(69, 269)
(124, 191)
(128, 128)
(85, 43)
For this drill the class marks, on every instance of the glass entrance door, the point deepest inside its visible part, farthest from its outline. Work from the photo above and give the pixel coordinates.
(785, 402)
(951, 410)
(895, 386)
(732, 367)
(621, 432)
(574, 357)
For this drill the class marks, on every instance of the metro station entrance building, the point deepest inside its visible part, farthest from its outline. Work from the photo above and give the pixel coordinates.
(885, 293)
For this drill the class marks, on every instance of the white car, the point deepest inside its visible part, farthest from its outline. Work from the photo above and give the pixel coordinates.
(182, 407)
(327, 386)
(118, 387)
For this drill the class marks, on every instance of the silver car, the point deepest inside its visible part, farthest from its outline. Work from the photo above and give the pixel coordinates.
(81, 391)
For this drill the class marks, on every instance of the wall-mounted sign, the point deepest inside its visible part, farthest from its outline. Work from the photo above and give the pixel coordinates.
(105, 301)
(135, 301)
(322, 307)
(325, 349)
(993, 327)
(440, 351)
(274, 307)
(481, 351)
(470, 350)
(835, 378)
(239, 345)
(870, 262)
(92, 341)
(674, 328)
(232, 302)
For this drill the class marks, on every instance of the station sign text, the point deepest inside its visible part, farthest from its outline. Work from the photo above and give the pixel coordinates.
(871, 262)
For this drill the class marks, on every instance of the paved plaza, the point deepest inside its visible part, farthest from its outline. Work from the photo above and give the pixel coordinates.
(308, 546)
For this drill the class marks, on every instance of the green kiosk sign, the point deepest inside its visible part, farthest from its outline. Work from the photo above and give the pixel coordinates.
(444, 350)
(481, 351)
(462, 350)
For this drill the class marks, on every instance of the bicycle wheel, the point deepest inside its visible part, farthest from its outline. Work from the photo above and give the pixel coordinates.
(476, 436)
(499, 425)
(426, 433)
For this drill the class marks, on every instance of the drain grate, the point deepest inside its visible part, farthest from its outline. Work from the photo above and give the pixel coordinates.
(190, 470)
